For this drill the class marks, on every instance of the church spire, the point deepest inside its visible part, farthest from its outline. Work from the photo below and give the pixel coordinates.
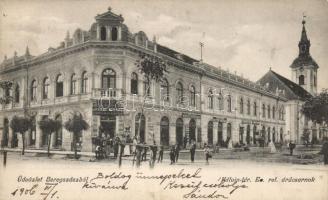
(304, 44)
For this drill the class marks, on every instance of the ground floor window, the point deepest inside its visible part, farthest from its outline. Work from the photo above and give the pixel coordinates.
(192, 130)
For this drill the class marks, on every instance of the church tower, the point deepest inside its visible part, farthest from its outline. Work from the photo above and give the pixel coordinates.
(304, 68)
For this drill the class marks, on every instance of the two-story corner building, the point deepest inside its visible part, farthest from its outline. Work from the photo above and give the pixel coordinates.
(196, 101)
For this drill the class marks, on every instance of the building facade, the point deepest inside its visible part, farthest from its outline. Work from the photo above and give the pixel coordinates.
(94, 73)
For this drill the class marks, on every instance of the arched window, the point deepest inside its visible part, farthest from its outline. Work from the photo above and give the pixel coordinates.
(273, 112)
(103, 33)
(263, 110)
(84, 82)
(108, 79)
(269, 111)
(73, 84)
(114, 34)
(134, 83)
(254, 109)
(45, 88)
(17, 94)
(301, 80)
(229, 107)
(248, 107)
(241, 105)
(33, 90)
(165, 90)
(164, 131)
(179, 91)
(210, 99)
(282, 113)
(192, 96)
(59, 86)
(220, 102)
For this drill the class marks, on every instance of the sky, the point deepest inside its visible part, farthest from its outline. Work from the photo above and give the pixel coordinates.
(246, 36)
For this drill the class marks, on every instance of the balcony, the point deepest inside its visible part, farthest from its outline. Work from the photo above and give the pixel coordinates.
(114, 93)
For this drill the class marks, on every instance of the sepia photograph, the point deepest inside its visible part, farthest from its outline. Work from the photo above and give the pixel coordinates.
(163, 99)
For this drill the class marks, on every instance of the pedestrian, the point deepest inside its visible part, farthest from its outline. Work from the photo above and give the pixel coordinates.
(185, 140)
(134, 142)
(207, 153)
(177, 151)
(324, 150)
(138, 154)
(144, 153)
(160, 154)
(291, 147)
(153, 152)
(192, 150)
(172, 155)
(97, 151)
(116, 146)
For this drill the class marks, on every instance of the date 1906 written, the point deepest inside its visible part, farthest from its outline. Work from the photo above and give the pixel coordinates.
(44, 192)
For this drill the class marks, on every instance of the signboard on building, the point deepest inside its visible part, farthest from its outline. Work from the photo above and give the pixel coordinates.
(109, 107)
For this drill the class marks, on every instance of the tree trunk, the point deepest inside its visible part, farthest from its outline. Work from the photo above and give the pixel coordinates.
(49, 142)
(23, 140)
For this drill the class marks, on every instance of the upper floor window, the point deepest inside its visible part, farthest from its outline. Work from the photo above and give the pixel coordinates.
(269, 111)
(114, 34)
(134, 83)
(108, 79)
(192, 96)
(73, 84)
(59, 86)
(45, 88)
(248, 107)
(273, 112)
(241, 105)
(33, 90)
(165, 89)
(84, 82)
(263, 110)
(147, 88)
(210, 99)
(103, 33)
(301, 80)
(179, 92)
(220, 102)
(254, 109)
(229, 107)
(17, 93)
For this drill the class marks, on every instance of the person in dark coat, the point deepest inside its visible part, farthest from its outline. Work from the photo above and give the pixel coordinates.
(324, 151)
(177, 151)
(192, 151)
(144, 153)
(172, 154)
(116, 146)
(160, 154)
(291, 147)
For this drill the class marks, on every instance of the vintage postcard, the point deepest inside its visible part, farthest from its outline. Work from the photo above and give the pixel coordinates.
(163, 100)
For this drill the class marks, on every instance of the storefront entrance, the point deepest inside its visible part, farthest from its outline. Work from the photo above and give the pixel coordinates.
(107, 126)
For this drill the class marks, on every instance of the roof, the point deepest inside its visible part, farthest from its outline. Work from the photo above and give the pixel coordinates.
(295, 88)
(304, 61)
(174, 54)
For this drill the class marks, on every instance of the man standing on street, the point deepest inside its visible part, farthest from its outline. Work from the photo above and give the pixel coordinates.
(192, 151)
